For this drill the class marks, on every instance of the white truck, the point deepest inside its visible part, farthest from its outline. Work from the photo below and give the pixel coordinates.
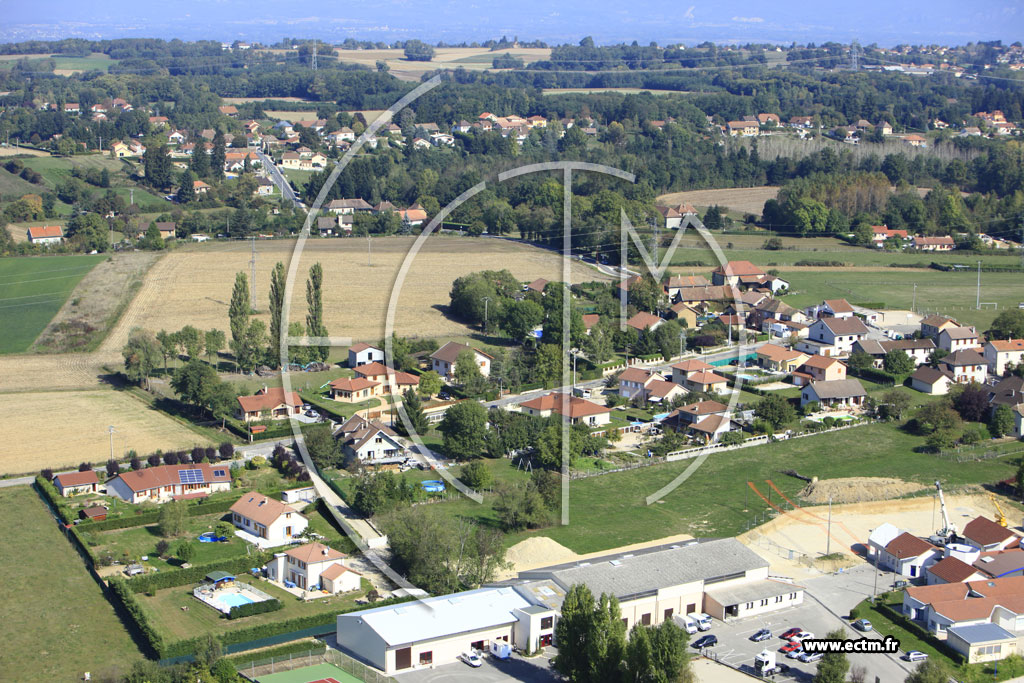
(686, 622)
(703, 621)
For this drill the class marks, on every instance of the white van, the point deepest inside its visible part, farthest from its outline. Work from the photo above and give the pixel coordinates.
(687, 623)
(703, 621)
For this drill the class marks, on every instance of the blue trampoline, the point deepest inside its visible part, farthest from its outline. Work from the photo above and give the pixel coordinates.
(433, 486)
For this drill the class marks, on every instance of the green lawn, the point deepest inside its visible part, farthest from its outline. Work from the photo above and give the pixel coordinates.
(166, 613)
(748, 246)
(94, 62)
(32, 290)
(58, 169)
(952, 294)
(57, 620)
(609, 511)
(134, 542)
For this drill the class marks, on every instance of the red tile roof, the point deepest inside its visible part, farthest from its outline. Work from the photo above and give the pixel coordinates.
(353, 384)
(45, 231)
(76, 478)
(167, 475)
(952, 570)
(260, 508)
(268, 399)
(634, 374)
(737, 268)
(643, 320)
(907, 545)
(311, 553)
(984, 531)
(693, 365)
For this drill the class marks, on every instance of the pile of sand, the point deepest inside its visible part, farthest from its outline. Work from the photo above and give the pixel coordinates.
(537, 551)
(857, 489)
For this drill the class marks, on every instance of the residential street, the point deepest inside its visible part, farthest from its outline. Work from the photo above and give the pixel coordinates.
(277, 177)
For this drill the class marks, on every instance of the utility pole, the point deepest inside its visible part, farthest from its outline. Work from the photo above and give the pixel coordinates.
(111, 430)
(131, 196)
(487, 300)
(978, 302)
(1022, 244)
(368, 264)
(252, 275)
(913, 305)
(682, 342)
(828, 534)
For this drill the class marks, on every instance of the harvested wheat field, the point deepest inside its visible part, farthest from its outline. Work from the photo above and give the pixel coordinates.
(738, 199)
(80, 429)
(788, 541)
(22, 151)
(23, 373)
(193, 285)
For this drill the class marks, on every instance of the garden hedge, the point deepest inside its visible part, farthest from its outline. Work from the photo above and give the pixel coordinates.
(127, 598)
(249, 609)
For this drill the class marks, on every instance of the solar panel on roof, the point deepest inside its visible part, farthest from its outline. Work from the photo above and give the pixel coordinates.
(190, 476)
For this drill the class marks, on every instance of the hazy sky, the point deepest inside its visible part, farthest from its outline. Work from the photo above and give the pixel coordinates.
(690, 21)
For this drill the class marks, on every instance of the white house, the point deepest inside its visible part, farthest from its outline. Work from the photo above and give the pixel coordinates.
(984, 534)
(313, 566)
(633, 381)
(273, 522)
(443, 360)
(965, 366)
(958, 338)
(167, 482)
(46, 235)
(368, 440)
(908, 555)
(833, 336)
(362, 354)
(73, 483)
(1000, 352)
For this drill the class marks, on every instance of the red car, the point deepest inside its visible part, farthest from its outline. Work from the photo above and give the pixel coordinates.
(791, 632)
(791, 646)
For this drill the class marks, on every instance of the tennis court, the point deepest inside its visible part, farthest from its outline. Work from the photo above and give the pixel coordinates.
(319, 673)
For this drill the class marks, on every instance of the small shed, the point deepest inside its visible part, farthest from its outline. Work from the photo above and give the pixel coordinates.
(220, 579)
(96, 513)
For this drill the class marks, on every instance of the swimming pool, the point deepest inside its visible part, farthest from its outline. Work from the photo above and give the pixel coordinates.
(230, 600)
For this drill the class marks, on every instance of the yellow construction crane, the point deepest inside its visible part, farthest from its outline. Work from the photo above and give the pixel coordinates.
(1002, 515)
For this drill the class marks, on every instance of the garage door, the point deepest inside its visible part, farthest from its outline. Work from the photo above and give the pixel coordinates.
(403, 658)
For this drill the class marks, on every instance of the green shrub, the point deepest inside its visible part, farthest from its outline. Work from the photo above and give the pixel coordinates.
(252, 608)
(195, 574)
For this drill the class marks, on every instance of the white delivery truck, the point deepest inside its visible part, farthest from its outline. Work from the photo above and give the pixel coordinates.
(703, 621)
(686, 622)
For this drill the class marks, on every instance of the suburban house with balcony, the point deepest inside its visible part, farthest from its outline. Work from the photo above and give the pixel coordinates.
(313, 566)
(270, 521)
(368, 440)
(443, 360)
(965, 366)
(168, 482)
(572, 409)
(819, 369)
(269, 404)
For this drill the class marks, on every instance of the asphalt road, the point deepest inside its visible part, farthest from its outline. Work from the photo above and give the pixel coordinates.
(276, 177)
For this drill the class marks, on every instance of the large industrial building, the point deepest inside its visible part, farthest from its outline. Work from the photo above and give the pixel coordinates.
(722, 578)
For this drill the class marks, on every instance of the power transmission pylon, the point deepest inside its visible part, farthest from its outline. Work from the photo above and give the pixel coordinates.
(313, 60)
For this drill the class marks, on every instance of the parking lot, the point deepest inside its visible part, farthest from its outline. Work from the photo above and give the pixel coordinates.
(840, 592)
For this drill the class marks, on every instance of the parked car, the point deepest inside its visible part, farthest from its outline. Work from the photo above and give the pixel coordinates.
(763, 634)
(862, 625)
(795, 654)
(791, 646)
(808, 657)
(709, 640)
(471, 658)
(791, 633)
(915, 656)
(803, 635)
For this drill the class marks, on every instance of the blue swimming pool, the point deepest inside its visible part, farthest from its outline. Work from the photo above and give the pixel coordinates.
(229, 600)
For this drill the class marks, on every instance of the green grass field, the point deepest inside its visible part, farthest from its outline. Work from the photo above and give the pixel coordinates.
(58, 169)
(747, 246)
(952, 294)
(94, 62)
(32, 290)
(165, 609)
(12, 186)
(59, 624)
